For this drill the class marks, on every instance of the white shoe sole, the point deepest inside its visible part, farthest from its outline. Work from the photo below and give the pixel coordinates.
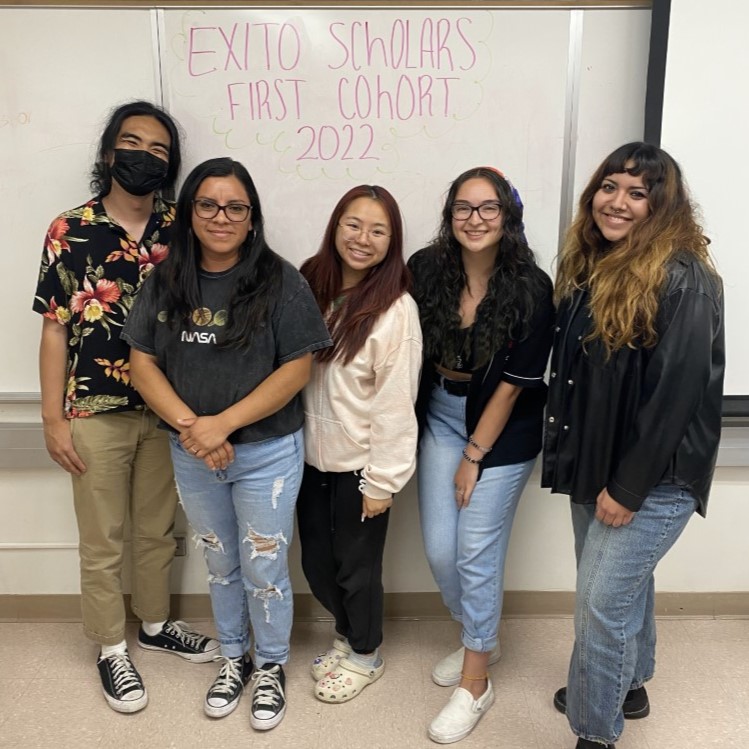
(452, 681)
(266, 725)
(221, 712)
(126, 706)
(451, 738)
(205, 657)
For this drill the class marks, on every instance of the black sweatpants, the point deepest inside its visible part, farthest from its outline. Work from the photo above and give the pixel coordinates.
(342, 556)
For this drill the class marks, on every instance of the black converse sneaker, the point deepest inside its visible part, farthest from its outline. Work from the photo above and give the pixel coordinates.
(268, 700)
(224, 694)
(121, 683)
(176, 637)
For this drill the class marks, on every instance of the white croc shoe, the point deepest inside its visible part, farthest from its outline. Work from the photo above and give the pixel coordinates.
(460, 716)
(447, 672)
(328, 660)
(347, 681)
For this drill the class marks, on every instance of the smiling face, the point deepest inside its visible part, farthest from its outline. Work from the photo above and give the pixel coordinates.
(220, 238)
(144, 133)
(476, 234)
(362, 239)
(620, 203)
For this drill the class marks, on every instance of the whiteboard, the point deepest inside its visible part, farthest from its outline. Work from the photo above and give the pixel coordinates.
(468, 87)
(705, 126)
(314, 103)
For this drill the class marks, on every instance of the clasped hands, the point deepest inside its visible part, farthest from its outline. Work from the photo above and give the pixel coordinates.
(205, 438)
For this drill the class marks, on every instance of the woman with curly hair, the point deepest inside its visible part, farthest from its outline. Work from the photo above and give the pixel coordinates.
(360, 429)
(633, 420)
(486, 315)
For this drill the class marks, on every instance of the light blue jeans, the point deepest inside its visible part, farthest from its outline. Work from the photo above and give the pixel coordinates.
(614, 609)
(243, 518)
(466, 548)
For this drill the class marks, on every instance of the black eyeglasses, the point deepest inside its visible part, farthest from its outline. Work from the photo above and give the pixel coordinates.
(486, 211)
(210, 209)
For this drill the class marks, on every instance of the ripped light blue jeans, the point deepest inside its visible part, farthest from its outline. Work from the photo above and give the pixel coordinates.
(243, 518)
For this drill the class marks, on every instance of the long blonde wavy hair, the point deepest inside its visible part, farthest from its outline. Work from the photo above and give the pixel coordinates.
(625, 277)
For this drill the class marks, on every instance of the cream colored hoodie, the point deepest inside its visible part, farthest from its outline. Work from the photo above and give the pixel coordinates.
(361, 415)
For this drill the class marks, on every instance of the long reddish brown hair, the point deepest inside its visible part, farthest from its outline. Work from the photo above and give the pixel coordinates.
(351, 318)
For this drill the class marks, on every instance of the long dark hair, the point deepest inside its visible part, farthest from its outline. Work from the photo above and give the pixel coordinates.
(257, 275)
(625, 278)
(352, 321)
(515, 286)
(101, 172)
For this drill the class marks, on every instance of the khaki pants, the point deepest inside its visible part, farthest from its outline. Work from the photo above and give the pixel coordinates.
(129, 473)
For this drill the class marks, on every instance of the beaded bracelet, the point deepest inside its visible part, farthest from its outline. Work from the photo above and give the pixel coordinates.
(467, 457)
(485, 450)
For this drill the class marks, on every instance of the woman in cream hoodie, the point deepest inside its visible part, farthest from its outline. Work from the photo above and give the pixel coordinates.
(360, 432)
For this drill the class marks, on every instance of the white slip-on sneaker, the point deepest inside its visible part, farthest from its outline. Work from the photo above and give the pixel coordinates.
(460, 716)
(448, 671)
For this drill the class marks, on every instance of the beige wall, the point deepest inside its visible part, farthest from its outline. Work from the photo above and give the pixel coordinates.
(710, 557)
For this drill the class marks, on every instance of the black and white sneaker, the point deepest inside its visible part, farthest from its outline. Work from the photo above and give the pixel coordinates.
(223, 696)
(176, 637)
(121, 683)
(268, 698)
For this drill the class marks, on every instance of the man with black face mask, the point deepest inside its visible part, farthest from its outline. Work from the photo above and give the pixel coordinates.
(96, 426)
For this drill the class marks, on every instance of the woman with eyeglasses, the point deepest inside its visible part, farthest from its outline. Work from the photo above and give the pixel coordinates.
(486, 315)
(360, 429)
(222, 340)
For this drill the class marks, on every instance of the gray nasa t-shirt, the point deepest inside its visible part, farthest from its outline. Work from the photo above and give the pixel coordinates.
(209, 379)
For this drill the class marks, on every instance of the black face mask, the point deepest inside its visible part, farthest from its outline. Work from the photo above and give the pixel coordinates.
(138, 172)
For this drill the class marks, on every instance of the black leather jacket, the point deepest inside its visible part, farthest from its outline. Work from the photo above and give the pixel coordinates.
(644, 416)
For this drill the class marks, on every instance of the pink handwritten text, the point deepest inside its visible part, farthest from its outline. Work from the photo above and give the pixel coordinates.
(341, 83)
(242, 46)
(432, 44)
(409, 96)
(328, 142)
(265, 100)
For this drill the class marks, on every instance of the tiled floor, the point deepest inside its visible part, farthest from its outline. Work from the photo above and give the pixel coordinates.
(50, 697)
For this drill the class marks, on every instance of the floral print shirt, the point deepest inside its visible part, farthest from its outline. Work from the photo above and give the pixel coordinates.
(90, 272)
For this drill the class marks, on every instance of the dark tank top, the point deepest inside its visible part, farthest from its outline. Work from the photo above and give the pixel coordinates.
(463, 345)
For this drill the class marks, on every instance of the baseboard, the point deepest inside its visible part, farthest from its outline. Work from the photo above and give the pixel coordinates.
(517, 603)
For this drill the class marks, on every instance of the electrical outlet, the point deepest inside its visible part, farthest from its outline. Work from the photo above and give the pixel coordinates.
(181, 546)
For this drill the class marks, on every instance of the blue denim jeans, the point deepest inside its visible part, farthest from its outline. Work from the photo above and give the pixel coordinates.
(466, 548)
(614, 609)
(243, 518)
